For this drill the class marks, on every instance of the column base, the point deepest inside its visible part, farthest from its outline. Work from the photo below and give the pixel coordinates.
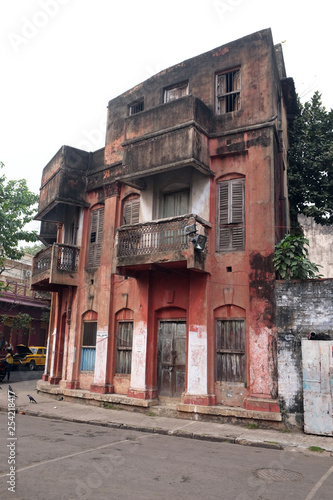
(73, 385)
(199, 399)
(102, 389)
(54, 380)
(142, 393)
(45, 377)
(259, 403)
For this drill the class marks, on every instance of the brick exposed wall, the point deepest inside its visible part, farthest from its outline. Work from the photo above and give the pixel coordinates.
(301, 307)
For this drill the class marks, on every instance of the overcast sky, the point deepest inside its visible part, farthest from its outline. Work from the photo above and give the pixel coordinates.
(63, 60)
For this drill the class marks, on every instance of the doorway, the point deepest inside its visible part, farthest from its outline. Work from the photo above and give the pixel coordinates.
(171, 359)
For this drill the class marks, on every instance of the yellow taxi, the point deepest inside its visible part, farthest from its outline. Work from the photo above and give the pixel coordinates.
(31, 357)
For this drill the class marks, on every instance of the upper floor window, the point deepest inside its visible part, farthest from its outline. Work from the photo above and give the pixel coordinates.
(231, 215)
(176, 203)
(228, 87)
(95, 237)
(131, 211)
(136, 107)
(176, 91)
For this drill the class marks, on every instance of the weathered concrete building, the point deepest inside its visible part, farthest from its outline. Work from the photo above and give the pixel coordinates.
(160, 244)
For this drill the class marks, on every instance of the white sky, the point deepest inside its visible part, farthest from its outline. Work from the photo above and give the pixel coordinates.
(63, 60)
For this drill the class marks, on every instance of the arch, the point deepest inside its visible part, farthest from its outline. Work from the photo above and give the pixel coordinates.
(170, 313)
(124, 314)
(89, 315)
(231, 175)
(229, 311)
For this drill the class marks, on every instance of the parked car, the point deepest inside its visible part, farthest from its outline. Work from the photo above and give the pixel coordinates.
(31, 357)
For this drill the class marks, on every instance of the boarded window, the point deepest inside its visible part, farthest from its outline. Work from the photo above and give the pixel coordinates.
(228, 87)
(88, 350)
(231, 215)
(124, 347)
(230, 339)
(131, 212)
(136, 107)
(176, 92)
(95, 237)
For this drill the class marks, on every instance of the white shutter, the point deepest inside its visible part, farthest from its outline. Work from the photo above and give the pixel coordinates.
(95, 237)
(231, 215)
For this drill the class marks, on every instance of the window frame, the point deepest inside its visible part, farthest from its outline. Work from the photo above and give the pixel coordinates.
(88, 351)
(230, 217)
(95, 247)
(230, 353)
(131, 209)
(121, 348)
(167, 97)
(136, 107)
(231, 98)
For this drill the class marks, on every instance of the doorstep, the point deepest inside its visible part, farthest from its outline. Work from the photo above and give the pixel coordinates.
(229, 411)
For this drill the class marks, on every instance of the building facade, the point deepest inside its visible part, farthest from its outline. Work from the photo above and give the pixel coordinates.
(23, 312)
(160, 244)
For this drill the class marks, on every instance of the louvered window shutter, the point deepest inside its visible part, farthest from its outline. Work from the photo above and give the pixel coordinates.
(96, 237)
(131, 212)
(231, 212)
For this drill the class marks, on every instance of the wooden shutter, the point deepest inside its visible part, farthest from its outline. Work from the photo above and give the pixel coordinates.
(96, 237)
(124, 347)
(131, 211)
(230, 341)
(230, 215)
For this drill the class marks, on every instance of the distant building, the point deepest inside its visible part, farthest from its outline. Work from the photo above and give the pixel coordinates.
(320, 244)
(17, 298)
(161, 243)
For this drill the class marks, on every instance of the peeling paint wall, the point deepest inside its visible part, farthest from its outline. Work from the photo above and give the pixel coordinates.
(301, 307)
(197, 360)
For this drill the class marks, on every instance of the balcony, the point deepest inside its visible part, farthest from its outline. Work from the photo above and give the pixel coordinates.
(169, 136)
(55, 266)
(63, 183)
(161, 243)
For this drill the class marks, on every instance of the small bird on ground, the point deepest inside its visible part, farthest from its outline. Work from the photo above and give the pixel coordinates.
(11, 391)
(31, 399)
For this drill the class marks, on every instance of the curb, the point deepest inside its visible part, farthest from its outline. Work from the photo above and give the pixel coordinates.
(152, 430)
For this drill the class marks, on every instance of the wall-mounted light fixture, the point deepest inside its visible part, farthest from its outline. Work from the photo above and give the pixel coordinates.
(198, 240)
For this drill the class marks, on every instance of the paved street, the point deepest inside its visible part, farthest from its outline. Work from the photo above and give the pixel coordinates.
(64, 460)
(104, 454)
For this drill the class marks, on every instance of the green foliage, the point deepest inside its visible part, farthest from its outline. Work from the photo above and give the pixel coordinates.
(32, 249)
(291, 259)
(310, 173)
(17, 208)
(19, 322)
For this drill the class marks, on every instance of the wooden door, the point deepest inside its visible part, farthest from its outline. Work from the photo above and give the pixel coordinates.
(171, 369)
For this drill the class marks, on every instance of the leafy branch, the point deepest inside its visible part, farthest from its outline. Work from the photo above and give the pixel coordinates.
(291, 259)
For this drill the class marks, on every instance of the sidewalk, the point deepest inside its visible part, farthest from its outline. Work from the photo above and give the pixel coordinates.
(149, 421)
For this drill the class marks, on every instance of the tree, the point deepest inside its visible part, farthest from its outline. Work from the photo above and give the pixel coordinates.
(17, 207)
(32, 249)
(291, 259)
(310, 173)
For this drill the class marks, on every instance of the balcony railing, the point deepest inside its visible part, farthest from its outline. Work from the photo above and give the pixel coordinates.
(42, 261)
(163, 241)
(55, 265)
(161, 236)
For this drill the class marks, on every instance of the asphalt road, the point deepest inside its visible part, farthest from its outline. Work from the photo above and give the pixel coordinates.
(65, 460)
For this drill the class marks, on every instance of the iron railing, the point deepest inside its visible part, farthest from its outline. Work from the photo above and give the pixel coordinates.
(42, 261)
(161, 236)
(66, 256)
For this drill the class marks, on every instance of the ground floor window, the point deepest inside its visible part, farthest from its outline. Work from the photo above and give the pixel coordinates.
(88, 350)
(124, 347)
(230, 341)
